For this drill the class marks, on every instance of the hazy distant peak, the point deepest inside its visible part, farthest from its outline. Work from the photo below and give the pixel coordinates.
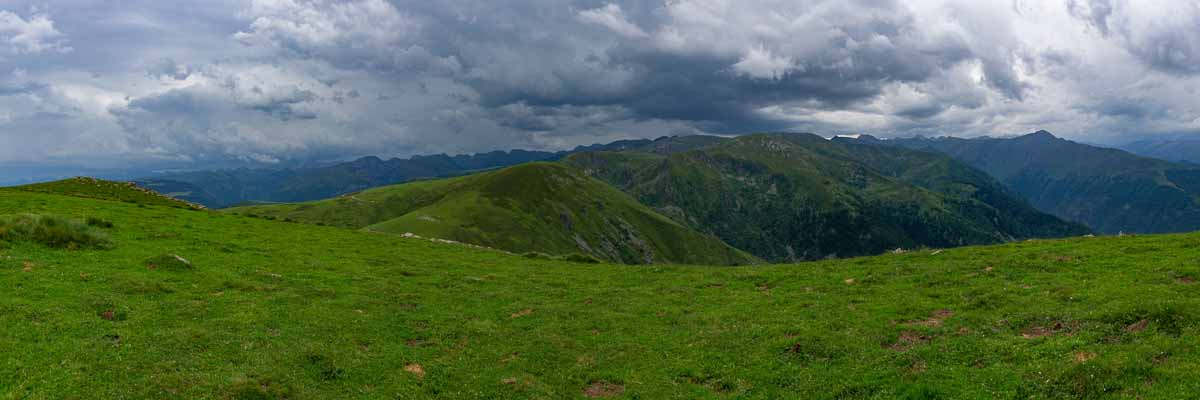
(1042, 134)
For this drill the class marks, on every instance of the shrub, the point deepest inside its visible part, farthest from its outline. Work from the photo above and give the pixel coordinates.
(581, 258)
(170, 262)
(99, 222)
(537, 255)
(52, 231)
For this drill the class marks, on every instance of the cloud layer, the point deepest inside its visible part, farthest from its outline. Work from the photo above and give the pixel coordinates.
(275, 81)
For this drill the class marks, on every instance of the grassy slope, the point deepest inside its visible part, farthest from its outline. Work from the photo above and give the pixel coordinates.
(322, 312)
(532, 207)
(104, 189)
(795, 196)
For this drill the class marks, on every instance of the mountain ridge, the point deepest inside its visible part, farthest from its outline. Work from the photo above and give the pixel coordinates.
(794, 196)
(533, 207)
(224, 188)
(1107, 189)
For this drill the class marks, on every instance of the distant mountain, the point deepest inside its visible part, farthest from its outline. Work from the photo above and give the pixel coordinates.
(224, 188)
(542, 207)
(1107, 189)
(1178, 150)
(786, 197)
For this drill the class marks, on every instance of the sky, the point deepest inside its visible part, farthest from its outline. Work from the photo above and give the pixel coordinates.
(145, 83)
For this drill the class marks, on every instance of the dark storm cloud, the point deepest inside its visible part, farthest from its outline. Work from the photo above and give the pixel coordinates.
(277, 80)
(556, 62)
(1170, 42)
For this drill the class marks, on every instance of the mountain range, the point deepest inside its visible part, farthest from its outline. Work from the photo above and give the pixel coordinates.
(779, 197)
(788, 197)
(225, 188)
(1109, 190)
(1178, 150)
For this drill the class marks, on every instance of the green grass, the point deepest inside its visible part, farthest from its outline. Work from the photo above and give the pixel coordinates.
(280, 310)
(539, 207)
(106, 190)
(51, 231)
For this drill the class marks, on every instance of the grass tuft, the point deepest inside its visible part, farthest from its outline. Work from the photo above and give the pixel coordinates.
(52, 231)
(259, 389)
(581, 258)
(169, 262)
(99, 222)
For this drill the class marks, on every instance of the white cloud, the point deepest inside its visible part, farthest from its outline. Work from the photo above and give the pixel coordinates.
(612, 17)
(760, 63)
(329, 28)
(35, 34)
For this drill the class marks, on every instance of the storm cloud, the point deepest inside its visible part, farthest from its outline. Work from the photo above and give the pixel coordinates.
(279, 81)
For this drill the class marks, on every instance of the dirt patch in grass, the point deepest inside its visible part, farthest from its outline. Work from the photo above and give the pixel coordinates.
(1138, 326)
(602, 389)
(415, 369)
(1083, 356)
(522, 313)
(935, 320)
(916, 367)
(111, 313)
(1041, 331)
(714, 383)
(908, 340)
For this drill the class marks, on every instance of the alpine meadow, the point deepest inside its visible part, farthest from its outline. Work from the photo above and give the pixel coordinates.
(599, 199)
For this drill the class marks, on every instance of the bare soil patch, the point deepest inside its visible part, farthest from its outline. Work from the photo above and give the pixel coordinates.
(415, 369)
(1035, 332)
(1138, 326)
(908, 340)
(935, 320)
(603, 389)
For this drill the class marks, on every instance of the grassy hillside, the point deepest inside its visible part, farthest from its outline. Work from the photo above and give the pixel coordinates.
(106, 190)
(539, 207)
(1107, 189)
(787, 197)
(274, 310)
